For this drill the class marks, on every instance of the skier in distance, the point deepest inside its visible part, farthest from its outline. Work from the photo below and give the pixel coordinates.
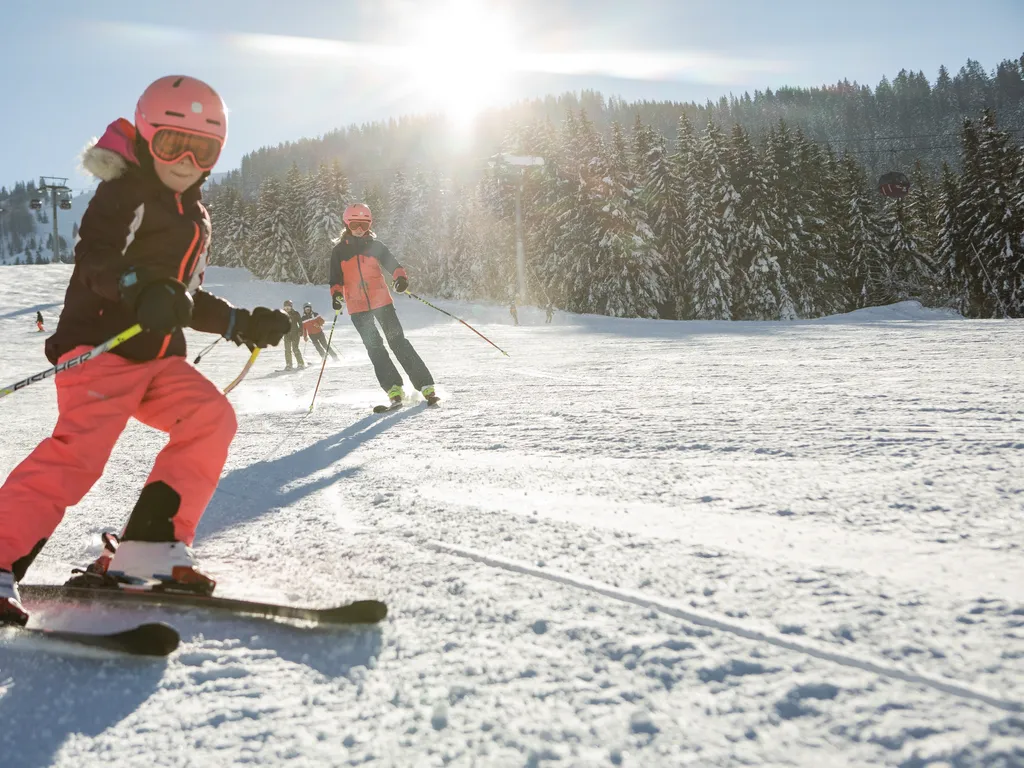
(140, 259)
(291, 339)
(313, 329)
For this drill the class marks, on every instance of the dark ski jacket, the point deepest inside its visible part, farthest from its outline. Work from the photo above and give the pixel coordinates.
(134, 220)
(357, 272)
(295, 324)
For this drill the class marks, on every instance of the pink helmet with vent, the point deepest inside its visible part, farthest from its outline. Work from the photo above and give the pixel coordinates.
(182, 102)
(357, 212)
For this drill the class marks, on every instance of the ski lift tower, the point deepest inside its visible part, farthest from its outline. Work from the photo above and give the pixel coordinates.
(59, 187)
(505, 163)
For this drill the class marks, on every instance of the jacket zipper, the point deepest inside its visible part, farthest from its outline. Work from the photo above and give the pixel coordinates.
(184, 265)
(362, 282)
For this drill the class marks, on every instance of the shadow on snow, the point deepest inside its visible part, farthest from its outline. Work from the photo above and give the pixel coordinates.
(246, 493)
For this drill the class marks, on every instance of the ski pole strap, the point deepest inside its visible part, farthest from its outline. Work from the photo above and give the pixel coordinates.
(88, 355)
(238, 379)
(474, 330)
(210, 346)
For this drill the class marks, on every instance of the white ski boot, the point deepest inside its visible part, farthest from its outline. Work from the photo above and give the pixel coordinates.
(159, 566)
(11, 609)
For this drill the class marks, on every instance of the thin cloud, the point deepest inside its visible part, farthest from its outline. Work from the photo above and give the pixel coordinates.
(645, 65)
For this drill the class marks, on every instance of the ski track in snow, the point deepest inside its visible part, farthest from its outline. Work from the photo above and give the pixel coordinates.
(840, 500)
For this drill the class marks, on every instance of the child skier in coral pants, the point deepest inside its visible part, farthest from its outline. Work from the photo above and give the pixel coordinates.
(140, 259)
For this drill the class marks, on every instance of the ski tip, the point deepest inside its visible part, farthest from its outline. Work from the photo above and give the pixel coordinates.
(154, 639)
(359, 612)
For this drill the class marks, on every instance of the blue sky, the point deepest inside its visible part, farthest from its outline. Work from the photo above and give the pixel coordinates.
(300, 68)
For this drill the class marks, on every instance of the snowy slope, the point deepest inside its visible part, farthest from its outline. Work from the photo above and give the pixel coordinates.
(632, 543)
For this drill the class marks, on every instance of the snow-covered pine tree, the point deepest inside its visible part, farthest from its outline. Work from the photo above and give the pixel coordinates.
(1000, 232)
(227, 245)
(628, 275)
(861, 243)
(425, 229)
(713, 230)
(328, 196)
(397, 227)
(274, 252)
(982, 262)
(463, 246)
(759, 290)
(900, 278)
(952, 251)
(296, 211)
(374, 197)
(785, 183)
(663, 199)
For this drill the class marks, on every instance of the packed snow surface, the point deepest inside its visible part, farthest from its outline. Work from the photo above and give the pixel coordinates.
(630, 543)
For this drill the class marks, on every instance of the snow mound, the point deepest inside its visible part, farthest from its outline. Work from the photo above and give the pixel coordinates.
(900, 311)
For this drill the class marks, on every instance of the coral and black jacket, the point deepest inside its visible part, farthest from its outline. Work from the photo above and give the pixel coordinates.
(357, 265)
(134, 220)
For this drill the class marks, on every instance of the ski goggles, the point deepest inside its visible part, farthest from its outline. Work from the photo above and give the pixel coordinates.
(359, 227)
(170, 145)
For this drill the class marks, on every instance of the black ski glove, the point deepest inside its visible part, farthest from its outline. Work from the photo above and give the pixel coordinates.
(401, 283)
(261, 328)
(337, 302)
(161, 304)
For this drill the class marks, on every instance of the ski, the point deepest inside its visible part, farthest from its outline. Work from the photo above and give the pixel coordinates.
(152, 639)
(358, 612)
(386, 408)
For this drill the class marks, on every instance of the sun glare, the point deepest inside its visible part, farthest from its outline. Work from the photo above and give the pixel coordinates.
(462, 59)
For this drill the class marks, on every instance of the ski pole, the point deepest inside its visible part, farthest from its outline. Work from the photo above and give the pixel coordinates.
(324, 363)
(94, 352)
(207, 349)
(474, 330)
(245, 370)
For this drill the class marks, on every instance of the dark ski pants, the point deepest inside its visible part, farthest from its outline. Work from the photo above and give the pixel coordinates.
(387, 374)
(291, 345)
(320, 342)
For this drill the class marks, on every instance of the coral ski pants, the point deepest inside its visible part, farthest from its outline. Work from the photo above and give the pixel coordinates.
(95, 401)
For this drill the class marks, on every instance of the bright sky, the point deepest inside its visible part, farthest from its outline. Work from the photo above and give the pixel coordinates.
(298, 68)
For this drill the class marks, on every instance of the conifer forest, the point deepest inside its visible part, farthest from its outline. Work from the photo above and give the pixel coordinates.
(753, 208)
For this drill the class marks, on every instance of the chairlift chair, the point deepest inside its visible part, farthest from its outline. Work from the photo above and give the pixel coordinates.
(894, 184)
(35, 204)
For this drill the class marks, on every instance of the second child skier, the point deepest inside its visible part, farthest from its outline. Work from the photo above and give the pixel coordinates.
(358, 262)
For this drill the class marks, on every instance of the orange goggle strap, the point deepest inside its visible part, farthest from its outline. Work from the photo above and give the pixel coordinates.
(169, 145)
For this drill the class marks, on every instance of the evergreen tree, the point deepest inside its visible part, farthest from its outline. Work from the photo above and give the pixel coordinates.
(860, 240)
(274, 251)
(296, 214)
(683, 166)
(759, 289)
(713, 233)
(328, 196)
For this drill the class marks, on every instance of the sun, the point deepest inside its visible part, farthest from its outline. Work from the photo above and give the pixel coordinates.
(462, 58)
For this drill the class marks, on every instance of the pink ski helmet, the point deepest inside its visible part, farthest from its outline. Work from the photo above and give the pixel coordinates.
(359, 212)
(179, 116)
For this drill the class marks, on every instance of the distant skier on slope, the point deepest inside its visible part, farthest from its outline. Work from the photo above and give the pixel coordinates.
(291, 339)
(357, 279)
(313, 328)
(39, 322)
(140, 258)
